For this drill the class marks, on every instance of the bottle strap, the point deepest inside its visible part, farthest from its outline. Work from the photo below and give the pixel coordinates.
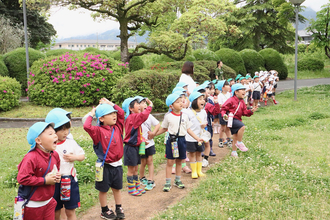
(106, 153)
(177, 135)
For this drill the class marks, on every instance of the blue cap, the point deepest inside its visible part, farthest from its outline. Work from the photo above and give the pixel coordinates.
(181, 84)
(140, 98)
(220, 84)
(179, 89)
(236, 87)
(57, 117)
(242, 77)
(172, 98)
(104, 109)
(194, 95)
(125, 106)
(215, 81)
(230, 79)
(61, 110)
(200, 88)
(255, 77)
(180, 93)
(34, 131)
(238, 76)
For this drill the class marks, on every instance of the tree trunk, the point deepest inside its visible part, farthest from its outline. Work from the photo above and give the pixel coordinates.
(327, 50)
(124, 41)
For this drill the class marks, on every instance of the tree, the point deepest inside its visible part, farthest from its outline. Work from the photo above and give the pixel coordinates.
(170, 34)
(11, 36)
(38, 27)
(264, 23)
(321, 30)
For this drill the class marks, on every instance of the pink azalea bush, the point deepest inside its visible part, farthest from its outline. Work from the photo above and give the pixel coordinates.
(10, 93)
(73, 79)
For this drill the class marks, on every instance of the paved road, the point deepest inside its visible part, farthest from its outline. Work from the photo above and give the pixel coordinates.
(282, 86)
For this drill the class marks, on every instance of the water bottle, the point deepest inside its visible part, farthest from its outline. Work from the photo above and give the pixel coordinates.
(175, 149)
(98, 171)
(65, 188)
(230, 120)
(142, 148)
(18, 209)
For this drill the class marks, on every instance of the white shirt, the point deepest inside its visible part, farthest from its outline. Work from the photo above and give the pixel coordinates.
(171, 122)
(257, 86)
(146, 126)
(187, 79)
(222, 98)
(269, 88)
(196, 124)
(69, 146)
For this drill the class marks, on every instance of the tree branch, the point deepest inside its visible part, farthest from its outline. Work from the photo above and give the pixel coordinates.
(89, 5)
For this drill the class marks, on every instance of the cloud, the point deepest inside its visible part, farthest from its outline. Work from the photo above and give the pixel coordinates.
(71, 23)
(315, 4)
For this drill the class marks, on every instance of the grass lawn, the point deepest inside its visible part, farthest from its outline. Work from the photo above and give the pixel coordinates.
(13, 147)
(284, 175)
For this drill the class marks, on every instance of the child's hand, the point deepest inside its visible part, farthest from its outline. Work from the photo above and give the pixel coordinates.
(149, 102)
(200, 140)
(151, 135)
(203, 126)
(254, 109)
(69, 157)
(52, 179)
(106, 101)
(225, 117)
(58, 177)
(215, 98)
(93, 112)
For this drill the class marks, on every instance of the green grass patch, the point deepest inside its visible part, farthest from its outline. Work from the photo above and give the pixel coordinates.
(284, 175)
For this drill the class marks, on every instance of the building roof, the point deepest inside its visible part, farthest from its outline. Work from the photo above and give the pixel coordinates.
(304, 33)
(81, 41)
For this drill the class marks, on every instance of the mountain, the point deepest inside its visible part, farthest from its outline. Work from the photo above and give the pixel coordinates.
(308, 13)
(108, 35)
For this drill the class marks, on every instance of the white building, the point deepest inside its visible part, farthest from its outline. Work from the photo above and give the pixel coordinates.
(306, 37)
(83, 44)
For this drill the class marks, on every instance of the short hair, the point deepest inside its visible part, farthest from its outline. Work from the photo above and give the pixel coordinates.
(194, 105)
(219, 61)
(65, 126)
(131, 105)
(210, 85)
(226, 83)
(188, 67)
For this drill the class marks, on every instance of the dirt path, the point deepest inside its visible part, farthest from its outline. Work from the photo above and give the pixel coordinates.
(155, 201)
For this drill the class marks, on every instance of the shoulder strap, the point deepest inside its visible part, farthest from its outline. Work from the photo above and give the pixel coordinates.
(177, 135)
(239, 103)
(106, 153)
(35, 188)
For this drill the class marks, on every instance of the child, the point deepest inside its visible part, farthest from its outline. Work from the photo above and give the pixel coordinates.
(269, 91)
(236, 105)
(68, 114)
(177, 124)
(133, 139)
(198, 117)
(224, 87)
(231, 82)
(257, 87)
(69, 151)
(109, 151)
(150, 150)
(36, 170)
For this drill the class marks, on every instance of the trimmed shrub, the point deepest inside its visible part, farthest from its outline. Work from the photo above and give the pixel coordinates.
(3, 69)
(95, 51)
(211, 65)
(232, 59)
(73, 80)
(58, 52)
(16, 63)
(135, 63)
(273, 61)
(155, 85)
(302, 48)
(190, 58)
(10, 93)
(205, 54)
(116, 55)
(253, 61)
(310, 64)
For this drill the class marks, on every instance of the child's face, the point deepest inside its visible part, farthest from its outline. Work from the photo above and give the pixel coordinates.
(62, 134)
(177, 105)
(48, 139)
(256, 79)
(143, 105)
(226, 88)
(240, 93)
(243, 81)
(232, 82)
(185, 102)
(136, 108)
(109, 119)
(212, 91)
(200, 102)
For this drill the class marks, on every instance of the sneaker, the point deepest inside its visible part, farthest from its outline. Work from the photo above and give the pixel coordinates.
(144, 181)
(150, 185)
(234, 154)
(221, 144)
(120, 213)
(186, 169)
(242, 147)
(212, 154)
(178, 184)
(173, 170)
(108, 215)
(205, 163)
(167, 187)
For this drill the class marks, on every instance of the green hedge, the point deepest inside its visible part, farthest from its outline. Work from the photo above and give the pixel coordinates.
(273, 61)
(232, 59)
(16, 63)
(3, 69)
(58, 52)
(10, 93)
(253, 61)
(205, 54)
(310, 64)
(136, 63)
(96, 51)
(73, 80)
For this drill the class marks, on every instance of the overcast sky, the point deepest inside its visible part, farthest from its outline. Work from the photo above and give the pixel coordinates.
(71, 23)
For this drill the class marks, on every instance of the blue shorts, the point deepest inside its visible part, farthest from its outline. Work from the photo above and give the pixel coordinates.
(181, 146)
(131, 156)
(74, 201)
(112, 178)
(237, 124)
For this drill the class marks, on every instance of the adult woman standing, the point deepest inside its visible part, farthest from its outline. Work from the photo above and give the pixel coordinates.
(186, 76)
(218, 71)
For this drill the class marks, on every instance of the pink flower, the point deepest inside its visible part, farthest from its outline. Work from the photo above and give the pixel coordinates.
(103, 79)
(97, 89)
(84, 71)
(32, 75)
(82, 92)
(85, 85)
(63, 76)
(50, 71)
(110, 71)
(64, 80)
(93, 74)
(84, 68)
(84, 101)
(4, 91)
(26, 90)
(70, 77)
(87, 75)
(88, 84)
(42, 90)
(12, 93)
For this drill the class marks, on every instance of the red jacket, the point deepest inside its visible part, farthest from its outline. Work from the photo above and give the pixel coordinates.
(101, 137)
(31, 170)
(231, 105)
(212, 109)
(133, 130)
